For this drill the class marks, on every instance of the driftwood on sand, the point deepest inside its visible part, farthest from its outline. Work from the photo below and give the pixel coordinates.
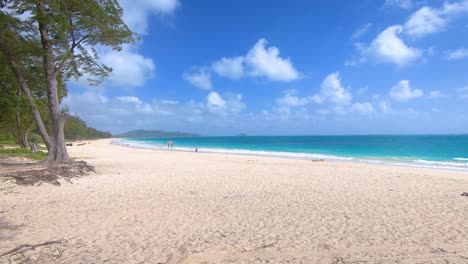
(25, 247)
(36, 173)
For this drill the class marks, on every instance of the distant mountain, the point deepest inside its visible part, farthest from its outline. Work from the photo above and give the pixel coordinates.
(139, 133)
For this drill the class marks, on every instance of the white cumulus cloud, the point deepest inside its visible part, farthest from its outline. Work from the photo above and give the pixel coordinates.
(229, 104)
(266, 62)
(290, 99)
(202, 79)
(129, 68)
(425, 21)
(332, 90)
(364, 108)
(214, 99)
(260, 61)
(403, 92)
(232, 68)
(389, 47)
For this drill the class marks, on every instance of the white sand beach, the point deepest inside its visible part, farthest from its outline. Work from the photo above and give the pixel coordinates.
(147, 206)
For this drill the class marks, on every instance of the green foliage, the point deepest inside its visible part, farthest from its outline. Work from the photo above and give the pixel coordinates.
(75, 129)
(15, 114)
(6, 137)
(74, 28)
(20, 152)
(35, 138)
(23, 51)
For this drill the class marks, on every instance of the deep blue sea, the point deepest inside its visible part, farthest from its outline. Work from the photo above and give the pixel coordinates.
(449, 151)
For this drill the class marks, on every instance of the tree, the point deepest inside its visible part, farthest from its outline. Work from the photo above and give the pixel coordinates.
(19, 51)
(67, 31)
(75, 129)
(15, 116)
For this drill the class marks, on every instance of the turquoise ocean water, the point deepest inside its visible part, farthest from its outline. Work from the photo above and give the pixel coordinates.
(450, 151)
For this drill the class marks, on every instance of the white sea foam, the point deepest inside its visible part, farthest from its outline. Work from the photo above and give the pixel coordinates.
(442, 163)
(396, 161)
(273, 154)
(140, 144)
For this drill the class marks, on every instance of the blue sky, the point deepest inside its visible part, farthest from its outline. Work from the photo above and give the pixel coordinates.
(285, 67)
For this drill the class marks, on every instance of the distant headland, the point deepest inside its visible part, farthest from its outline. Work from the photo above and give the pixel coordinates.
(140, 133)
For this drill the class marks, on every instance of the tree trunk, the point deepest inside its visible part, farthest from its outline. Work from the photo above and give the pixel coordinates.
(21, 134)
(22, 139)
(60, 153)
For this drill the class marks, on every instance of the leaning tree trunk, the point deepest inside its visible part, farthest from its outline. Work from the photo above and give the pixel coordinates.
(21, 134)
(25, 89)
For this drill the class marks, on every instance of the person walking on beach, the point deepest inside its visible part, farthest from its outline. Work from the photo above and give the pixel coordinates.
(171, 143)
(168, 144)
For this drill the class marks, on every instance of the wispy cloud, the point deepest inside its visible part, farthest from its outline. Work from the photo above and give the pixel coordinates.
(136, 13)
(463, 92)
(428, 20)
(405, 4)
(425, 21)
(361, 31)
(457, 54)
(436, 94)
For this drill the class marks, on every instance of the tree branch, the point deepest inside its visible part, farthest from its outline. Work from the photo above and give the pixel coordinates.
(59, 69)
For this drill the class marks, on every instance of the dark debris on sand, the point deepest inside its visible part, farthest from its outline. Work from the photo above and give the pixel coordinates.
(32, 174)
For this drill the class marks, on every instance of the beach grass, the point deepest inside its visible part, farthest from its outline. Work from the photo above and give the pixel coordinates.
(7, 143)
(25, 153)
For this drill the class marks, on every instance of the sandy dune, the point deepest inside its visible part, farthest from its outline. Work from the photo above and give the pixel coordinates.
(146, 206)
